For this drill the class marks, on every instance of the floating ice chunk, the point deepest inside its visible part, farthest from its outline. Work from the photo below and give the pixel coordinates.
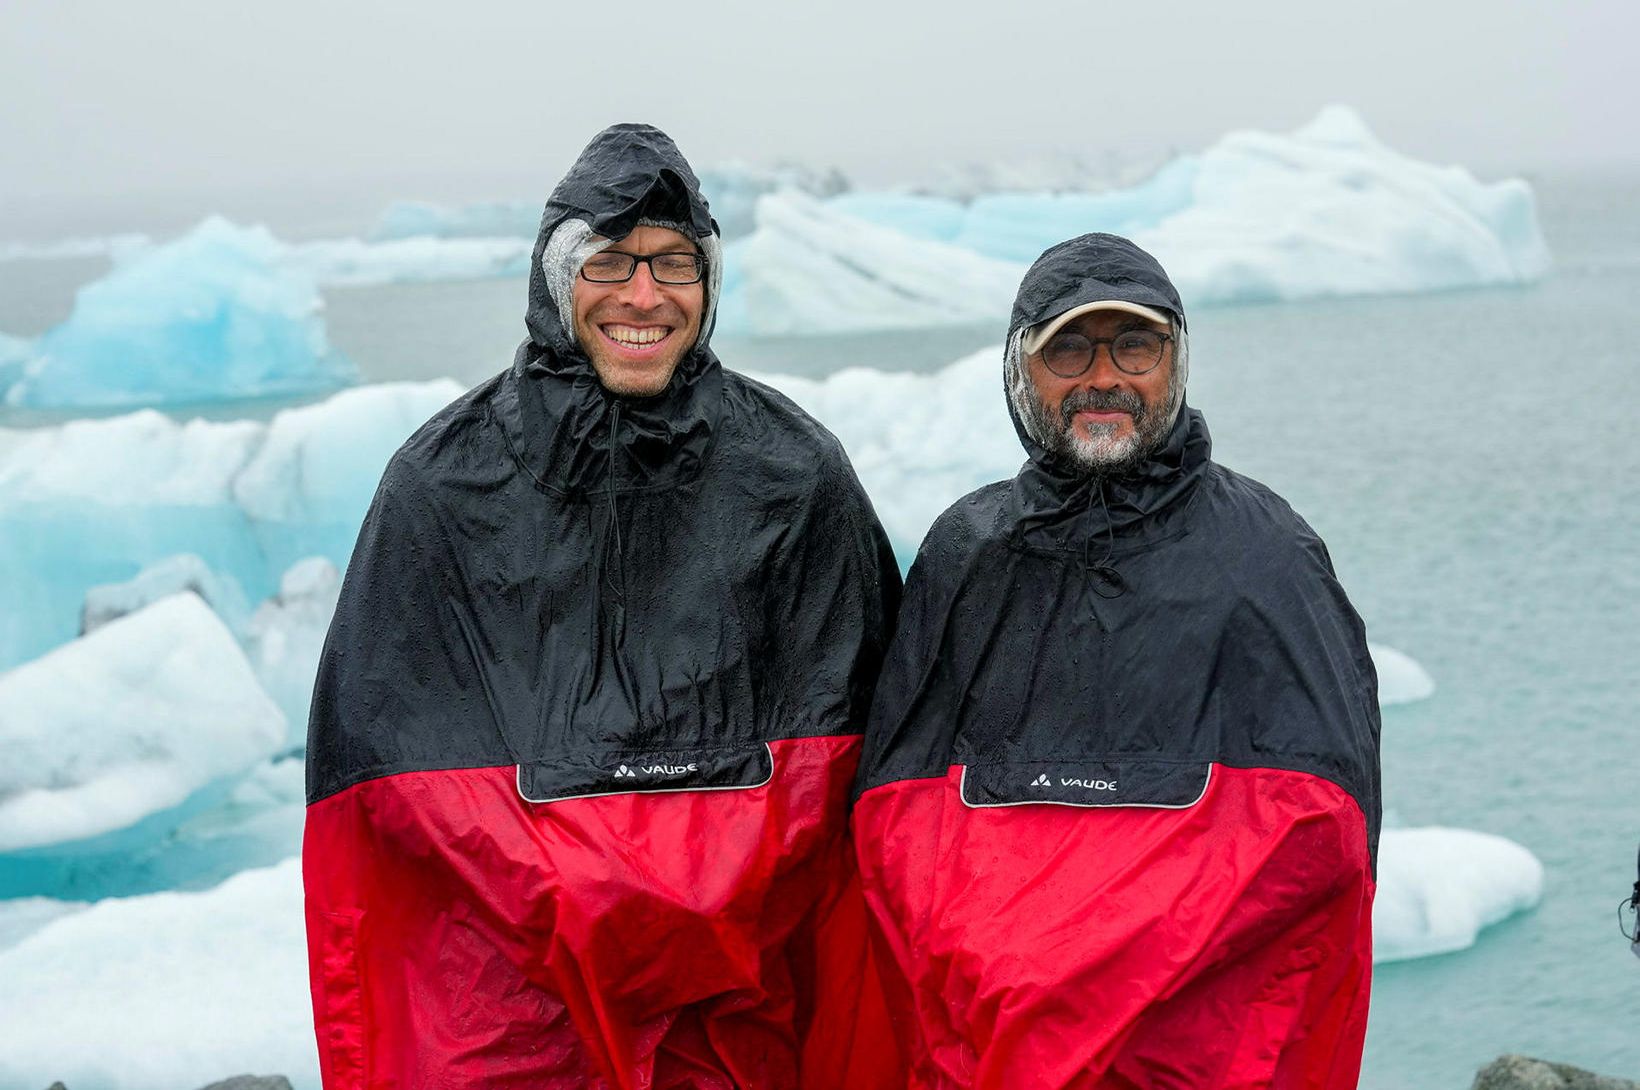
(14, 355)
(810, 268)
(215, 314)
(733, 190)
(125, 722)
(1323, 211)
(1401, 680)
(918, 442)
(1019, 226)
(173, 575)
(320, 463)
(92, 501)
(164, 991)
(409, 260)
(1437, 888)
(287, 634)
(1328, 210)
(486, 219)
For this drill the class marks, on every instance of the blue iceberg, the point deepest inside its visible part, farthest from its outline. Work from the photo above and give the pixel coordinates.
(217, 314)
(1323, 211)
(95, 501)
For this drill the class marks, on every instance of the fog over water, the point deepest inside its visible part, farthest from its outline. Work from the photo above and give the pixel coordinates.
(308, 115)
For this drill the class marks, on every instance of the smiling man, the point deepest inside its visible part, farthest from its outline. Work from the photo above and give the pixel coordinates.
(589, 711)
(1119, 801)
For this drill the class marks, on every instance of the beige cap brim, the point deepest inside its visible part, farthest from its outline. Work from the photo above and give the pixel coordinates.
(1038, 335)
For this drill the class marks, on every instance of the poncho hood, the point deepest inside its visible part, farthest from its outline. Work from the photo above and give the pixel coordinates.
(561, 424)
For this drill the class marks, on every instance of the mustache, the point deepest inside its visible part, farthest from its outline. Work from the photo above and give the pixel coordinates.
(1101, 400)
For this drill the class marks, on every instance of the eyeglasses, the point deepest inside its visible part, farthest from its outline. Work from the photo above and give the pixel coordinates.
(615, 267)
(1134, 352)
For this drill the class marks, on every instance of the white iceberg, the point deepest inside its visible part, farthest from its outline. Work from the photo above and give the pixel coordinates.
(161, 579)
(213, 315)
(92, 501)
(287, 634)
(1438, 887)
(354, 261)
(164, 991)
(1401, 680)
(810, 268)
(918, 442)
(1326, 210)
(483, 219)
(126, 722)
(21, 917)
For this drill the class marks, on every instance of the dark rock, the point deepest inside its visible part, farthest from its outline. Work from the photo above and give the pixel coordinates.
(56, 1086)
(1524, 1073)
(251, 1082)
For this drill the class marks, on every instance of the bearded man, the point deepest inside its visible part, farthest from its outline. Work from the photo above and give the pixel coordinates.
(588, 714)
(1119, 802)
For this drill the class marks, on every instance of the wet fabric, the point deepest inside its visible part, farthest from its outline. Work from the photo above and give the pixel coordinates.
(586, 723)
(1119, 801)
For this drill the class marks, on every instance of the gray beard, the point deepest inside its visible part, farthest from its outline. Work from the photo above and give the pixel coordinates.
(1096, 452)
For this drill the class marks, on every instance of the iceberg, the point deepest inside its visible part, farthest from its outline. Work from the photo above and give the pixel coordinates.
(733, 190)
(20, 917)
(1401, 680)
(287, 634)
(1326, 210)
(164, 990)
(1438, 887)
(217, 314)
(485, 219)
(810, 268)
(93, 501)
(918, 442)
(127, 722)
(351, 261)
(173, 575)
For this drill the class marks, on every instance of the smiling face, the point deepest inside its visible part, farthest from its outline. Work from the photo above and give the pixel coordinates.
(637, 331)
(1104, 420)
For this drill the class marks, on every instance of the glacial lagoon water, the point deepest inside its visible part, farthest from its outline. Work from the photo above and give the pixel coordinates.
(1470, 459)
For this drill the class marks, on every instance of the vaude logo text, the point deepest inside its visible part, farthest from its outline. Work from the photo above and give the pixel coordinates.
(1075, 781)
(657, 770)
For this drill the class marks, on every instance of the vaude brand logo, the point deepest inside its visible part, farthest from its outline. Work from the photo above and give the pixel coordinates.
(1075, 781)
(656, 770)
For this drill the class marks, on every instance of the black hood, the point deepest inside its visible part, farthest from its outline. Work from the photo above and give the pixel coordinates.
(561, 424)
(1060, 508)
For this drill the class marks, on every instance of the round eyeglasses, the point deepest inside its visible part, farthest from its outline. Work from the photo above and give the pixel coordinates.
(1134, 352)
(615, 267)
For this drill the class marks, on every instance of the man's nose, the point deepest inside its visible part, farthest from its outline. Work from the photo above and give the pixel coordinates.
(641, 291)
(1102, 373)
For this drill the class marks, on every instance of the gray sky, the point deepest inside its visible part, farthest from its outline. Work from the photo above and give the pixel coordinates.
(107, 105)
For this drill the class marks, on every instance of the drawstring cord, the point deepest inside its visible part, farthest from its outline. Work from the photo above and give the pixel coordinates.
(1108, 582)
(617, 584)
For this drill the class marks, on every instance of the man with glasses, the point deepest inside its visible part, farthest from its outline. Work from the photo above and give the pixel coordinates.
(590, 708)
(1119, 802)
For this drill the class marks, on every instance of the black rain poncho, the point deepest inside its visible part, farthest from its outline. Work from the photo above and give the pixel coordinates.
(1119, 796)
(587, 718)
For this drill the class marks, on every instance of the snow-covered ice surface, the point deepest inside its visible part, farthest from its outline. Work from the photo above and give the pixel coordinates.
(126, 722)
(164, 991)
(1437, 888)
(1326, 210)
(1401, 680)
(94, 501)
(285, 637)
(22, 916)
(216, 314)
(172, 575)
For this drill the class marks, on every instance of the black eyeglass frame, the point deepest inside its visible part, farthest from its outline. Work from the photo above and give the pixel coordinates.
(1093, 352)
(642, 259)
